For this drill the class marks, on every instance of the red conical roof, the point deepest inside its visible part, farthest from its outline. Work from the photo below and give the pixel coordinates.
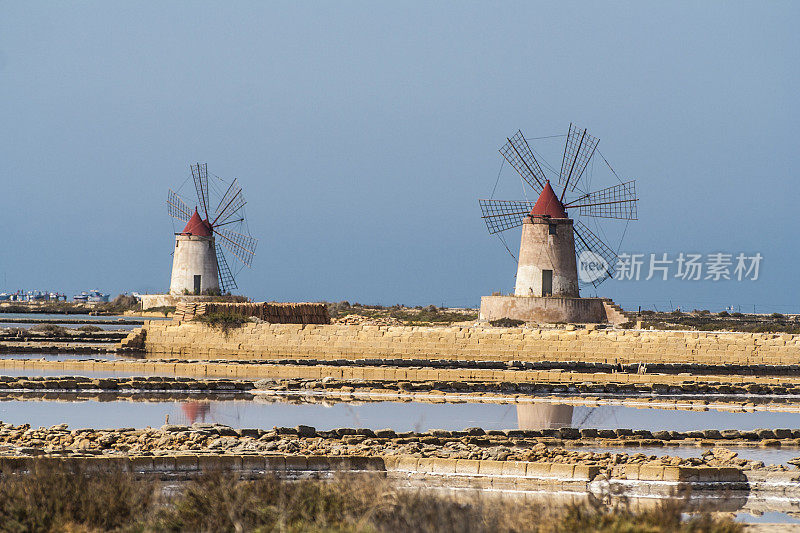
(197, 226)
(548, 205)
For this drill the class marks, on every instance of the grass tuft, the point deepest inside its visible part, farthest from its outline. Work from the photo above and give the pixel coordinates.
(222, 321)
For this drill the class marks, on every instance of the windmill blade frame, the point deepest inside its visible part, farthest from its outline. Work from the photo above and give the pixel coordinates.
(230, 203)
(226, 279)
(578, 150)
(243, 247)
(502, 215)
(200, 177)
(587, 241)
(618, 201)
(177, 208)
(520, 156)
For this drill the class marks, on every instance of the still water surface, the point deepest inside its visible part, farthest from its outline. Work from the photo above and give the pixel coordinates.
(400, 416)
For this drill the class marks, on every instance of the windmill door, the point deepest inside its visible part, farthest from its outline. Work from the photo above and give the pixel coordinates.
(197, 284)
(547, 282)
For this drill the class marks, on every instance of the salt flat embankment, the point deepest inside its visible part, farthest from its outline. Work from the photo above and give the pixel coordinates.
(337, 341)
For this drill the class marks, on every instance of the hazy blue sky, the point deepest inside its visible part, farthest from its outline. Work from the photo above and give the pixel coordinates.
(364, 132)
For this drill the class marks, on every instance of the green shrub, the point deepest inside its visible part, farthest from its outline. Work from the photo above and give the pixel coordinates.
(723, 314)
(776, 315)
(222, 321)
(90, 328)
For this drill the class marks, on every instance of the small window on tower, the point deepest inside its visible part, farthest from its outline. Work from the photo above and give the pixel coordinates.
(552, 229)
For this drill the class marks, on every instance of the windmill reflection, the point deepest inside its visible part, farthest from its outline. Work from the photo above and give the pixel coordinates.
(196, 410)
(544, 416)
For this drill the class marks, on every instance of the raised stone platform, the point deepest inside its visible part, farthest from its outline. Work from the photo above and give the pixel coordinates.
(150, 301)
(551, 309)
(188, 340)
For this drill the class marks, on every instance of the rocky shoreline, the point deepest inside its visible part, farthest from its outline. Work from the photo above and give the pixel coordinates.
(472, 443)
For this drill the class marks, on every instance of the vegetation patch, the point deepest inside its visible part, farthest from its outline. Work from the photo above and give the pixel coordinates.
(166, 309)
(408, 316)
(50, 329)
(703, 320)
(222, 321)
(90, 329)
(65, 497)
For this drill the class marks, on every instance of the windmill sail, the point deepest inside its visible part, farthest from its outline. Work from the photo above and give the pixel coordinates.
(226, 279)
(520, 156)
(586, 241)
(243, 247)
(230, 204)
(578, 151)
(618, 202)
(501, 215)
(200, 176)
(177, 208)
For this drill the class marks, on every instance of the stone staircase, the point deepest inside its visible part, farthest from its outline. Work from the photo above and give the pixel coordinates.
(614, 313)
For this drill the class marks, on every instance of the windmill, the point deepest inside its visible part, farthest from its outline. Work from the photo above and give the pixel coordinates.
(199, 265)
(553, 244)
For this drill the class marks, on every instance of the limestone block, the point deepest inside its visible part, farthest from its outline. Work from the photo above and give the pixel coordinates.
(425, 465)
(444, 466)
(562, 470)
(651, 472)
(538, 469)
(317, 463)
(491, 468)
(186, 463)
(467, 466)
(139, 463)
(295, 463)
(407, 463)
(515, 468)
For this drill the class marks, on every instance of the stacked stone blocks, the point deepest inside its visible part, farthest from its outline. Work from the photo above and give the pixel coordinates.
(275, 341)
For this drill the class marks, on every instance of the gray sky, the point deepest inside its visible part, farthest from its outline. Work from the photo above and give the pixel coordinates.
(364, 132)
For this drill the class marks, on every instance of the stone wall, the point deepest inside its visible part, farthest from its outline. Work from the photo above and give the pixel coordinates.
(149, 301)
(275, 341)
(273, 312)
(544, 310)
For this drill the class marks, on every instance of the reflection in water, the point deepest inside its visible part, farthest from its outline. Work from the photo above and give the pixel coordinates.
(195, 411)
(400, 416)
(544, 416)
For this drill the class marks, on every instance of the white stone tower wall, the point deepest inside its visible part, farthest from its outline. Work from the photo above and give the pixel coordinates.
(194, 255)
(540, 250)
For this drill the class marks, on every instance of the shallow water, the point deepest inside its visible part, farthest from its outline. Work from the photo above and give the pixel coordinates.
(114, 322)
(60, 357)
(770, 517)
(400, 416)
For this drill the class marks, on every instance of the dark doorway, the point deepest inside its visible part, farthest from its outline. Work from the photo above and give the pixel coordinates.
(547, 282)
(197, 284)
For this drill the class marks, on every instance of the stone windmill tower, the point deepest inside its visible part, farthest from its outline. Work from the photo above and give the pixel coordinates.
(199, 265)
(557, 253)
(194, 261)
(547, 264)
